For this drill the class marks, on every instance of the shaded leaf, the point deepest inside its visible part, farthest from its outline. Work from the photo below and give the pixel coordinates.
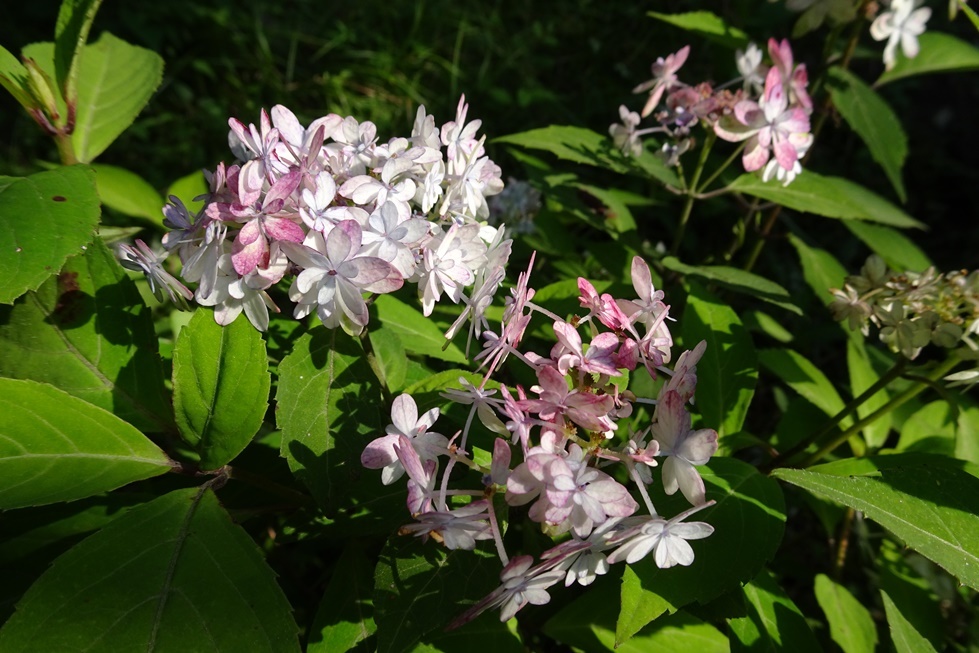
(934, 509)
(346, 613)
(905, 638)
(930, 429)
(187, 188)
(800, 374)
(748, 521)
(909, 590)
(391, 359)
(618, 217)
(221, 385)
(580, 145)
(774, 622)
(940, 53)
(329, 408)
(115, 82)
(420, 588)
(128, 193)
(169, 573)
(737, 280)
(820, 269)
(832, 197)
(45, 218)
(88, 332)
(850, 624)
(873, 120)
(862, 377)
(729, 367)
(706, 24)
(55, 447)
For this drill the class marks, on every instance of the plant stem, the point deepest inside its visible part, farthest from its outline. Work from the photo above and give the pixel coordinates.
(941, 370)
(896, 370)
(843, 543)
(65, 149)
(735, 154)
(692, 192)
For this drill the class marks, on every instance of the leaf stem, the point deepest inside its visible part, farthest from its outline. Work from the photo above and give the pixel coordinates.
(692, 193)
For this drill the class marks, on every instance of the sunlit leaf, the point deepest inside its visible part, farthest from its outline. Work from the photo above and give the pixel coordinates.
(44, 219)
(737, 280)
(873, 120)
(850, 623)
(774, 623)
(897, 250)
(939, 53)
(221, 386)
(706, 24)
(391, 359)
(13, 77)
(417, 333)
(170, 574)
(905, 638)
(70, 35)
(800, 374)
(346, 613)
(934, 509)
(862, 377)
(128, 193)
(55, 447)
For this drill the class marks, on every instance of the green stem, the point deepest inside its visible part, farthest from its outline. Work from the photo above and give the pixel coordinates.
(941, 370)
(734, 155)
(692, 192)
(65, 149)
(896, 370)
(762, 238)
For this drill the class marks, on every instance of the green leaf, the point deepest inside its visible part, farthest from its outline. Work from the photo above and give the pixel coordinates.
(873, 120)
(420, 588)
(346, 613)
(905, 638)
(931, 429)
(774, 623)
(115, 82)
(934, 509)
(417, 332)
(329, 408)
(580, 145)
(13, 77)
(392, 361)
(820, 269)
(729, 367)
(862, 377)
(748, 521)
(850, 624)
(800, 374)
(909, 590)
(70, 35)
(618, 217)
(761, 322)
(588, 624)
(967, 440)
(708, 25)
(170, 574)
(221, 385)
(940, 53)
(897, 250)
(55, 447)
(832, 197)
(737, 280)
(87, 332)
(128, 193)
(45, 218)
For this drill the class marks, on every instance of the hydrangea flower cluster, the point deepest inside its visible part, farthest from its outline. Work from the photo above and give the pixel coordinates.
(770, 111)
(559, 446)
(911, 309)
(902, 24)
(341, 214)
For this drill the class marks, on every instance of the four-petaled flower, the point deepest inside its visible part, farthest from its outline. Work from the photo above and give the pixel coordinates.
(903, 24)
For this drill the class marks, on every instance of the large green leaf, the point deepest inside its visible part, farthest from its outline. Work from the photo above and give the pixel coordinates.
(580, 145)
(417, 333)
(832, 197)
(729, 367)
(940, 53)
(905, 638)
(88, 332)
(55, 447)
(800, 374)
(933, 508)
(850, 623)
(873, 120)
(175, 574)
(773, 623)
(420, 587)
(221, 386)
(329, 408)
(44, 219)
(70, 35)
(128, 193)
(346, 613)
(897, 250)
(708, 25)
(588, 624)
(115, 81)
(737, 280)
(748, 521)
